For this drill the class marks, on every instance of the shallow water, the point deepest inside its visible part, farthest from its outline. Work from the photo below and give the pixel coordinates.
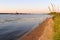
(14, 26)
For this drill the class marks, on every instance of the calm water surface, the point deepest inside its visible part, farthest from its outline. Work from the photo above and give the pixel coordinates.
(14, 26)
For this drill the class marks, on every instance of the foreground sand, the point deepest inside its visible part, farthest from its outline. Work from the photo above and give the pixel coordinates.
(44, 31)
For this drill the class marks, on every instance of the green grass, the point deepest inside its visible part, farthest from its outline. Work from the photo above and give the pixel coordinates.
(56, 19)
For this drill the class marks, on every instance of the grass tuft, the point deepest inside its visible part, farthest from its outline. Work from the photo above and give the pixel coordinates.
(56, 19)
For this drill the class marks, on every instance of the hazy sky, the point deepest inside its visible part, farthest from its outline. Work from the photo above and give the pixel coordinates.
(27, 6)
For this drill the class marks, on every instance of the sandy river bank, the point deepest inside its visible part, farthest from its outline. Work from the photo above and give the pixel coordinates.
(44, 31)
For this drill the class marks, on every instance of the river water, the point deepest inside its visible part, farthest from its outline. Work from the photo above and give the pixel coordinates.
(14, 26)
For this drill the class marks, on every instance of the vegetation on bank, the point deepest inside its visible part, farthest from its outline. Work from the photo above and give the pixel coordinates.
(56, 19)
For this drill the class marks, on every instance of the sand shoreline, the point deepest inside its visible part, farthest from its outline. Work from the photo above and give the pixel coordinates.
(40, 33)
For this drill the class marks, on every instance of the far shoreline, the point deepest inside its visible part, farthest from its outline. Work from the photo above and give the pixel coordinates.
(25, 13)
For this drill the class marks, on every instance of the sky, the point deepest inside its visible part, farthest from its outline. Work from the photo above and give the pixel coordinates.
(26, 6)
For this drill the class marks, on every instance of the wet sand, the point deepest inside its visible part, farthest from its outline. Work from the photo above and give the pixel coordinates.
(44, 31)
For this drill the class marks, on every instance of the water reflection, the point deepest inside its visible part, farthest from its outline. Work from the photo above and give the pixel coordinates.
(13, 26)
